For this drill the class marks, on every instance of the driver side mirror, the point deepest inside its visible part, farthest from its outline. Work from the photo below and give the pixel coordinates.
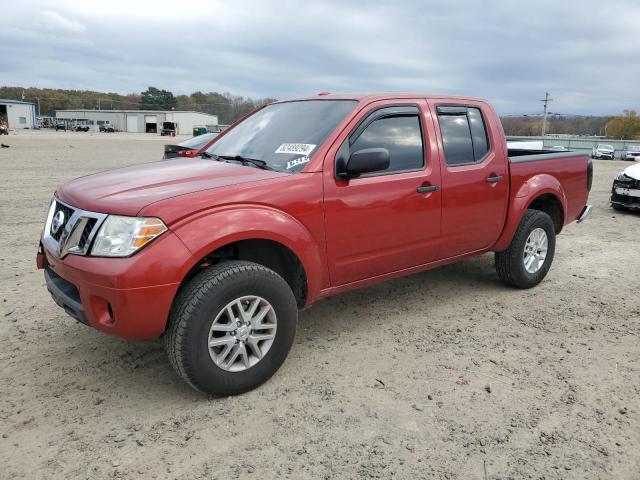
(363, 161)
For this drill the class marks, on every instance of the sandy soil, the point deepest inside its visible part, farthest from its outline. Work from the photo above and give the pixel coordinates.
(445, 374)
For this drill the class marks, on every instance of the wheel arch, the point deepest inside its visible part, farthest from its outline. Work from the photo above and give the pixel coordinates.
(542, 192)
(265, 236)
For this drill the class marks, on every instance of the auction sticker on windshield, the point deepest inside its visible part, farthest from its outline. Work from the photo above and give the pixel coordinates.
(296, 148)
(297, 161)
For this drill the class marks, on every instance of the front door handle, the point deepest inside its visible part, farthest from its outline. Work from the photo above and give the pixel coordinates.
(495, 179)
(427, 189)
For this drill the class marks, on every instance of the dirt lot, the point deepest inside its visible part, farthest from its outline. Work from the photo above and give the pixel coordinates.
(446, 374)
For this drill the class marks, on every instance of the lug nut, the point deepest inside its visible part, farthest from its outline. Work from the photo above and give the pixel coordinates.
(238, 323)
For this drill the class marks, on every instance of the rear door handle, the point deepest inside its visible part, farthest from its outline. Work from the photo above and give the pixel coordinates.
(427, 189)
(495, 179)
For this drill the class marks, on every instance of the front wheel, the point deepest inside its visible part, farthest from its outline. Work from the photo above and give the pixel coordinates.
(231, 327)
(528, 259)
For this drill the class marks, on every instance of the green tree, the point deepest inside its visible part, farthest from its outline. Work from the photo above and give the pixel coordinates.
(155, 99)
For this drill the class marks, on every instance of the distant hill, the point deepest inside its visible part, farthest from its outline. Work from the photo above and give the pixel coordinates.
(228, 107)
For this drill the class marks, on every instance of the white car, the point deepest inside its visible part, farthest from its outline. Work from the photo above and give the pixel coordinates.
(631, 152)
(603, 151)
(625, 193)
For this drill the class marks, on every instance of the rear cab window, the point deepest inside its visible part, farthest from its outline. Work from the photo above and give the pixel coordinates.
(464, 134)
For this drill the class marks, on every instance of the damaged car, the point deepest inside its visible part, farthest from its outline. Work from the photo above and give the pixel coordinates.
(625, 193)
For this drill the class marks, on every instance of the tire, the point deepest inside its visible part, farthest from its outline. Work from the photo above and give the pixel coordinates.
(205, 298)
(510, 264)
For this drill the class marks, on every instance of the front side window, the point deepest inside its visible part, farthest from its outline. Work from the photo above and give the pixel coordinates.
(283, 135)
(400, 135)
(464, 135)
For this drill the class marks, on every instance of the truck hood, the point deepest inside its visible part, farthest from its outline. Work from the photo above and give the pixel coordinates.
(126, 191)
(633, 171)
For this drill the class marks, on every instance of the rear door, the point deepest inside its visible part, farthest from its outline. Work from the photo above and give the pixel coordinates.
(475, 176)
(390, 220)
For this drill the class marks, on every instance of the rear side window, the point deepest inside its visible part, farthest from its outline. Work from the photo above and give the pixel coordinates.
(478, 134)
(464, 135)
(401, 135)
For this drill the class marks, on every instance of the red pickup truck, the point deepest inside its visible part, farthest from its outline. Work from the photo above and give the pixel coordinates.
(297, 201)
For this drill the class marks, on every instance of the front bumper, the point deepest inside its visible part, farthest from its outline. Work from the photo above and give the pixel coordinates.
(127, 297)
(626, 194)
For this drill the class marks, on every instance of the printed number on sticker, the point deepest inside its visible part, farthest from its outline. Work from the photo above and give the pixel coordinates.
(296, 148)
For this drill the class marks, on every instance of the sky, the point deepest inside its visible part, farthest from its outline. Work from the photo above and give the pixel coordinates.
(586, 53)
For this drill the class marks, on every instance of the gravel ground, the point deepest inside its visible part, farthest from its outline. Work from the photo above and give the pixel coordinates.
(445, 374)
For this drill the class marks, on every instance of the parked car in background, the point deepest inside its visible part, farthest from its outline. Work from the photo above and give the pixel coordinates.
(105, 127)
(190, 147)
(60, 126)
(625, 193)
(80, 128)
(299, 201)
(169, 129)
(630, 152)
(603, 151)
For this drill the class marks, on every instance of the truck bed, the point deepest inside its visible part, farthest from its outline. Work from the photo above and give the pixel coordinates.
(567, 168)
(517, 155)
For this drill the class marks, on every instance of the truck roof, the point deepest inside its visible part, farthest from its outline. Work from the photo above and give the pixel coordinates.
(370, 97)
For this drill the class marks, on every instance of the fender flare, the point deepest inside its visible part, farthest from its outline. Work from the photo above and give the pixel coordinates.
(209, 230)
(534, 187)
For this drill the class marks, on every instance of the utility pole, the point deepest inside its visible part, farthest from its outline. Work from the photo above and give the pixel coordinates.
(39, 113)
(98, 103)
(544, 118)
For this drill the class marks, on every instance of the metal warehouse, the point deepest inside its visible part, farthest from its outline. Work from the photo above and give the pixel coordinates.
(141, 121)
(17, 114)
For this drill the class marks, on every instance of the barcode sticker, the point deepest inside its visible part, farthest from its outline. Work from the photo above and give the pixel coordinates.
(296, 148)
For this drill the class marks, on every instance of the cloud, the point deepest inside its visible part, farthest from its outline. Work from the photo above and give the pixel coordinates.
(55, 22)
(583, 52)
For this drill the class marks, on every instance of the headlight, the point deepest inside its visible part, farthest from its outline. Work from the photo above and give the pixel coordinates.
(621, 177)
(122, 236)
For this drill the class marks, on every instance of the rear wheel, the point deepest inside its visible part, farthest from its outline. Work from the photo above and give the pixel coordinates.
(231, 328)
(529, 256)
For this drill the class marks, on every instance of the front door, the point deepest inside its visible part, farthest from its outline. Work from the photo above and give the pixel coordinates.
(385, 221)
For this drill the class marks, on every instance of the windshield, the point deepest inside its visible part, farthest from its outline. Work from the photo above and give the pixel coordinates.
(634, 148)
(199, 141)
(284, 135)
(605, 147)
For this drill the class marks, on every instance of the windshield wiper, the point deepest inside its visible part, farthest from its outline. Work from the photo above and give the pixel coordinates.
(247, 161)
(205, 154)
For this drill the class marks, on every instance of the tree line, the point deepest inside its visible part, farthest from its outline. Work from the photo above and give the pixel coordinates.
(226, 106)
(622, 127)
(230, 107)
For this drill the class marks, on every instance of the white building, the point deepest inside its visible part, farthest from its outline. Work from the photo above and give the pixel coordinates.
(140, 121)
(17, 114)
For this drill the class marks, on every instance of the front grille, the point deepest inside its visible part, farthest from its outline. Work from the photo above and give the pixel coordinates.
(67, 211)
(86, 233)
(70, 237)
